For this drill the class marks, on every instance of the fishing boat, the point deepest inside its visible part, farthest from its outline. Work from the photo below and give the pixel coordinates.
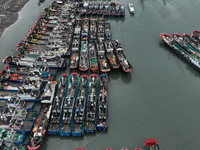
(35, 84)
(85, 29)
(117, 10)
(122, 10)
(112, 9)
(93, 29)
(110, 55)
(93, 57)
(91, 110)
(191, 41)
(17, 118)
(12, 77)
(95, 8)
(75, 54)
(124, 63)
(49, 92)
(42, 72)
(102, 121)
(138, 149)
(131, 8)
(65, 128)
(179, 40)
(103, 64)
(189, 58)
(106, 11)
(10, 136)
(151, 144)
(57, 105)
(100, 10)
(28, 94)
(90, 8)
(84, 60)
(9, 86)
(77, 29)
(79, 117)
(21, 60)
(84, 9)
(101, 29)
(52, 61)
(17, 103)
(108, 32)
(39, 130)
(196, 35)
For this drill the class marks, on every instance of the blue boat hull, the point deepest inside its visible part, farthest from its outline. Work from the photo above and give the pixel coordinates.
(64, 133)
(77, 134)
(89, 131)
(52, 132)
(102, 128)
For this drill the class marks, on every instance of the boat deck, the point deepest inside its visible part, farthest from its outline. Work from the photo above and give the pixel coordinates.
(77, 128)
(65, 127)
(27, 126)
(31, 115)
(27, 105)
(90, 126)
(7, 94)
(37, 47)
(53, 127)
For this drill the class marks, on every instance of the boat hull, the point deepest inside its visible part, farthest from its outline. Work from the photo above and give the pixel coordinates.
(52, 132)
(182, 56)
(65, 133)
(89, 130)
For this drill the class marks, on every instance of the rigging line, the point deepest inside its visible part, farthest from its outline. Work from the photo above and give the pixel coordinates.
(94, 138)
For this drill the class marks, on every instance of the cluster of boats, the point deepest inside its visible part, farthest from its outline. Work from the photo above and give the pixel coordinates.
(93, 47)
(77, 103)
(185, 46)
(17, 119)
(107, 9)
(149, 144)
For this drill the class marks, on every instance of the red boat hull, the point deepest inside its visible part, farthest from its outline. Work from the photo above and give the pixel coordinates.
(33, 147)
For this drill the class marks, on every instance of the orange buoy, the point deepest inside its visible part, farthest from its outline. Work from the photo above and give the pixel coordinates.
(37, 120)
(43, 132)
(35, 129)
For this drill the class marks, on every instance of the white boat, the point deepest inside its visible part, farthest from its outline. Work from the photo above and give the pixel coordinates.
(49, 92)
(131, 8)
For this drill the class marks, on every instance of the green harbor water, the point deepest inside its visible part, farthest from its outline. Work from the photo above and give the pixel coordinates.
(159, 99)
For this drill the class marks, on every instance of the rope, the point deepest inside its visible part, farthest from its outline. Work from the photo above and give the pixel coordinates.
(94, 138)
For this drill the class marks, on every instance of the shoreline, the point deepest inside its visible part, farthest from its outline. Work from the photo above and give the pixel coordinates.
(9, 12)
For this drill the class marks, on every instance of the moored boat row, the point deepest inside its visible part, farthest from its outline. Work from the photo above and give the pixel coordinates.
(184, 46)
(111, 9)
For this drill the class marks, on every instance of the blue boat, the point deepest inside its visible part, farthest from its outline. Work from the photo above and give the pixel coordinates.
(91, 109)
(57, 105)
(102, 120)
(68, 106)
(79, 117)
